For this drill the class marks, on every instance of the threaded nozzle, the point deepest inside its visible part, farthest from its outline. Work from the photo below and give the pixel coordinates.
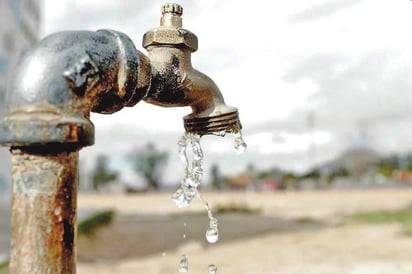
(214, 125)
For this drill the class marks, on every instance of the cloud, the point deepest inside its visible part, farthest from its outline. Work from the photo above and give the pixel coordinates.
(320, 11)
(353, 88)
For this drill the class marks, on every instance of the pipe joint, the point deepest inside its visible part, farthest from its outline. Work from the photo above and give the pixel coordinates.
(66, 76)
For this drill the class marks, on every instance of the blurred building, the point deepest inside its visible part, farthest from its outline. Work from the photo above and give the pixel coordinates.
(19, 21)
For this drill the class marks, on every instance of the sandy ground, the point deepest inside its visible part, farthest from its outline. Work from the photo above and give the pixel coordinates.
(297, 232)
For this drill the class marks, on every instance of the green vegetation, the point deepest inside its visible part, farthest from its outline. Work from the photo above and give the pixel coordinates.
(221, 209)
(90, 224)
(149, 162)
(4, 267)
(385, 170)
(306, 220)
(236, 208)
(402, 216)
(102, 174)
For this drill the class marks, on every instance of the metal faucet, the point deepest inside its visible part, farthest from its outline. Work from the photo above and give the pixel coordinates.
(176, 83)
(56, 86)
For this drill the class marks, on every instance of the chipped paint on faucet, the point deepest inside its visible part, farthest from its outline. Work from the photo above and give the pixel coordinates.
(55, 87)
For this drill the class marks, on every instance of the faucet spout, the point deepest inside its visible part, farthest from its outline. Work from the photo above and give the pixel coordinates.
(176, 83)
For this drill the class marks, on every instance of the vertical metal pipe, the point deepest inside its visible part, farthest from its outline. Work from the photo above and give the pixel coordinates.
(44, 210)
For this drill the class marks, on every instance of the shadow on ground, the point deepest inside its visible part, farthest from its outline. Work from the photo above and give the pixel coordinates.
(132, 236)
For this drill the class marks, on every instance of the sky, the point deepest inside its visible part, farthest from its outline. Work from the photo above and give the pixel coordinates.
(311, 79)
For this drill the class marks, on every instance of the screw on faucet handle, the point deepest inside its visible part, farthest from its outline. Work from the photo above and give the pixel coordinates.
(172, 8)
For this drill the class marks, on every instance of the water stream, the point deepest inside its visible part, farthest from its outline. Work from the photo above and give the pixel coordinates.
(184, 264)
(188, 190)
(212, 269)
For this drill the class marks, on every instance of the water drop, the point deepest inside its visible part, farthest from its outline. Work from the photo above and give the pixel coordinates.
(240, 144)
(212, 235)
(220, 133)
(184, 264)
(164, 254)
(184, 236)
(212, 269)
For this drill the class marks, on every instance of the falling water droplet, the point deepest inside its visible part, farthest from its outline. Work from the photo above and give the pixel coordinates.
(240, 144)
(184, 264)
(212, 269)
(212, 233)
(164, 254)
(184, 236)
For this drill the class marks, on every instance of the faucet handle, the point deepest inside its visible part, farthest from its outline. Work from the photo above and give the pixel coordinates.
(172, 8)
(171, 15)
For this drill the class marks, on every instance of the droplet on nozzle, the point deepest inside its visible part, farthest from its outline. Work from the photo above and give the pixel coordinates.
(240, 144)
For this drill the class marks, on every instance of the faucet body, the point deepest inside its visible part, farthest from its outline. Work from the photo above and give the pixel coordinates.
(176, 83)
(56, 86)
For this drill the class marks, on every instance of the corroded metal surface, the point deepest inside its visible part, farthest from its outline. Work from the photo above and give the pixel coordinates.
(218, 124)
(170, 31)
(43, 211)
(63, 78)
(176, 83)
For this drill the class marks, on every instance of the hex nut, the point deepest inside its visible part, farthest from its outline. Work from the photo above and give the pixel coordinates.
(170, 36)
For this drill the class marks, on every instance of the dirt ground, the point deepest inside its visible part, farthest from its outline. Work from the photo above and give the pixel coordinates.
(296, 232)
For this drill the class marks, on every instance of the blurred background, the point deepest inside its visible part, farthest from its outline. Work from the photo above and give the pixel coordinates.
(323, 91)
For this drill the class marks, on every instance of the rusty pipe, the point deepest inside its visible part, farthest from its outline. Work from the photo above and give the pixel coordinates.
(176, 83)
(44, 210)
(55, 87)
(63, 78)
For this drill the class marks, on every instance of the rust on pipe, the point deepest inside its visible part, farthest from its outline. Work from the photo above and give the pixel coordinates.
(44, 211)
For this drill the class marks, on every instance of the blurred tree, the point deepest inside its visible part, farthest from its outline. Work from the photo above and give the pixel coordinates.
(150, 163)
(216, 177)
(101, 173)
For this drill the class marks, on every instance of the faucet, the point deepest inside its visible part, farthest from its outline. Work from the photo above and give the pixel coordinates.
(47, 121)
(176, 83)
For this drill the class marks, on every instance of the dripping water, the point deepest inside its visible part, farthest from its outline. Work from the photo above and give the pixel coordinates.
(212, 269)
(240, 144)
(193, 175)
(184, 264)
